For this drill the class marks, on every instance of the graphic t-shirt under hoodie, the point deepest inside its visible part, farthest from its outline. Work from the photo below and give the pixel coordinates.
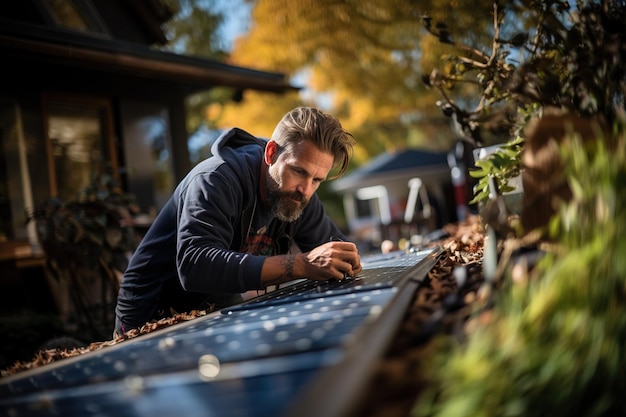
(214, 233)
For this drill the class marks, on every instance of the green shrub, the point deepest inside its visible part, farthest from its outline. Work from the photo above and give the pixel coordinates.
(556, 343)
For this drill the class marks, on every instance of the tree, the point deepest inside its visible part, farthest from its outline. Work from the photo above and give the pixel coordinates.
(567, 59)
(365, 58)
(560, 57)
(362, 60)
(259, 118)
(195, 30)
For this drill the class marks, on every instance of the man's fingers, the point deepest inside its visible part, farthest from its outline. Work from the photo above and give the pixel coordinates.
(334, 260)
(344, 245)
(350, 268)
(351, 259)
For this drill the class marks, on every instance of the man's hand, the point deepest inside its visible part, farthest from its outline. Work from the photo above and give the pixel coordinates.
(332, 260)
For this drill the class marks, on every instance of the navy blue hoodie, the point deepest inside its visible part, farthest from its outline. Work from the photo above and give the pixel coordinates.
(199, 240)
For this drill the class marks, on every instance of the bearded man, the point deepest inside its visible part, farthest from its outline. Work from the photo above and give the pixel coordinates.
(244, 219)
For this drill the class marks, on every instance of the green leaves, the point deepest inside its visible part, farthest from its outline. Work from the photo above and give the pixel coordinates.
(555, 344)
(502, 165)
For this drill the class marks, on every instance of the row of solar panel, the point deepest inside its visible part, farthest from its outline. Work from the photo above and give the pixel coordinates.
(249, 360)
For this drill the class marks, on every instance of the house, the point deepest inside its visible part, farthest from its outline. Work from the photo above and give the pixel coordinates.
(397, 195)
(83, 87)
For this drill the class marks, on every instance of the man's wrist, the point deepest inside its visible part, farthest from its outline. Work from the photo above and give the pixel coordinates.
(287, 264)
(281, 268)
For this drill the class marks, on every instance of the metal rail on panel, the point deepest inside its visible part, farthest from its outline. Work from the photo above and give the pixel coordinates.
(336, 391)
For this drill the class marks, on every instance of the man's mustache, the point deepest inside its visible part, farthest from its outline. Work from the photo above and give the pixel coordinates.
(296, 196)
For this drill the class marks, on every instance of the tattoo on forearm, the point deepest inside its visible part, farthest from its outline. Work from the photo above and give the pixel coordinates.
(287, 264)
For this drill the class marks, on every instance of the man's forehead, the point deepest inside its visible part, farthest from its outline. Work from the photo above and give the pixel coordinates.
(306, 154)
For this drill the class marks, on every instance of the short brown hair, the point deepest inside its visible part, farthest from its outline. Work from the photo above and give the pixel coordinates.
(323, 129)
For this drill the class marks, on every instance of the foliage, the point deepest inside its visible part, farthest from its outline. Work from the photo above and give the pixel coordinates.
(555, 345)
(256, 116)
(502, 165)
(87, 242)
(91, 228)
(572, 60)
(361, 60)
(193, 30)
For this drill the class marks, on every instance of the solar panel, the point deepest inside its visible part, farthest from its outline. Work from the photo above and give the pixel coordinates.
(253, 359)
(379, 271)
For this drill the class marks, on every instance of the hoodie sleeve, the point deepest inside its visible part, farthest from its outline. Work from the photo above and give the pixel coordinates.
(209, 217)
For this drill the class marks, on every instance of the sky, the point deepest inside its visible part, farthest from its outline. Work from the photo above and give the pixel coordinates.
(236, 19)
(237, 22)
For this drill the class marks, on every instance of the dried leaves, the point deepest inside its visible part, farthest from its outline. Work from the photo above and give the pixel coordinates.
(46, 356)
(440, 306)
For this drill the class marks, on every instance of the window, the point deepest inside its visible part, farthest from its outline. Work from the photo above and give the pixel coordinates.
(80, 143)
(148, 153)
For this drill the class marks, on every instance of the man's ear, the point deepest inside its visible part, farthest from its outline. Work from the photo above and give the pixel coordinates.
(271, 152)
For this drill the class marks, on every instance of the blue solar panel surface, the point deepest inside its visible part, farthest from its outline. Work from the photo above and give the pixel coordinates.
(248, 360)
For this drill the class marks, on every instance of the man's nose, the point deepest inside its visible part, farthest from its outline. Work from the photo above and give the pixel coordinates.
(305, 188)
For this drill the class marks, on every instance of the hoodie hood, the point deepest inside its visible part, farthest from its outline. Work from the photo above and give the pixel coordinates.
(235, 138)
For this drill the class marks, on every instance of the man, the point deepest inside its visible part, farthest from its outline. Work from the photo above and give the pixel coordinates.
(233, 222)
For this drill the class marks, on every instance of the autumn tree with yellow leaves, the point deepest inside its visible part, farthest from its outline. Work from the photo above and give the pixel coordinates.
(362, 60)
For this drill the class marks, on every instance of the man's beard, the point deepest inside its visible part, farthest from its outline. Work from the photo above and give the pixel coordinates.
(283, 205)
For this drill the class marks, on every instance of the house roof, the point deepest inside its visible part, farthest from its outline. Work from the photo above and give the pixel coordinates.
(402, 164)
(26, 42)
